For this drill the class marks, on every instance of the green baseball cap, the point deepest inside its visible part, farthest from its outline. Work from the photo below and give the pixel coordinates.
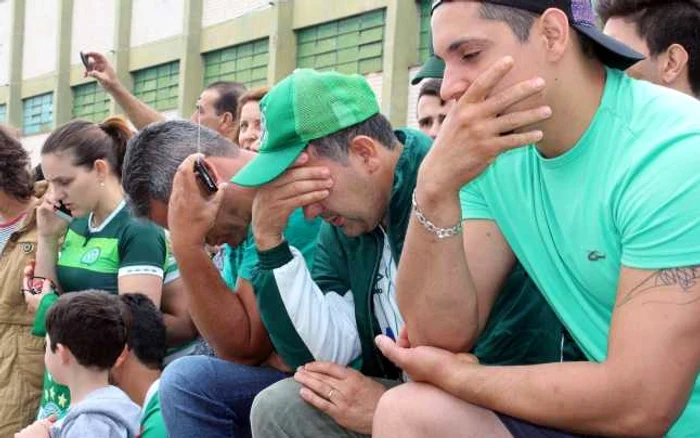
(305, 106)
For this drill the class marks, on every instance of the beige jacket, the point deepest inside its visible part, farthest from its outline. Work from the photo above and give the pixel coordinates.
(21, 354)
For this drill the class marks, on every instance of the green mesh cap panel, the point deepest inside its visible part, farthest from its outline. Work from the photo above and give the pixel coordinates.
(325, 103)
(305, 106)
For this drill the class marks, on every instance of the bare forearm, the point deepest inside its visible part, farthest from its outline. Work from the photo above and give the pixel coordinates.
(140, 114)
(580, 397)
(436, 294)
(219, 315)
(46, 259)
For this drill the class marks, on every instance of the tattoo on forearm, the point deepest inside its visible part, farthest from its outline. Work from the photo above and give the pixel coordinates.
(685, 278)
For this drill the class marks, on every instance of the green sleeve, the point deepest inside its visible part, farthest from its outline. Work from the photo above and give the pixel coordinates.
(39, 326)
(657, 211)
(303, 235)
(273, 313)
(474, 205)
(300, 233)
(142, 249)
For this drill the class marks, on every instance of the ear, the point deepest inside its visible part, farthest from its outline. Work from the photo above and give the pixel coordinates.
(366, 150)
(122, 358)
(102, 169)
(228, 120)
(554, 30)
(64, 354)
(674, 64)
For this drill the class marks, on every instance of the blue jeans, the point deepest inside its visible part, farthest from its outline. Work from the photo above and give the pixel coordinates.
(209, 397)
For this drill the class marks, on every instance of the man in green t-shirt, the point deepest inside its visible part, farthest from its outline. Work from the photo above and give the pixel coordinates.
(137, 370)
(590, 179)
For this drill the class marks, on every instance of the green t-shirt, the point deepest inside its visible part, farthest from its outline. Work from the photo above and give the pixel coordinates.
(152, 424)
(95, 258)
(242, 260)
(626, 194)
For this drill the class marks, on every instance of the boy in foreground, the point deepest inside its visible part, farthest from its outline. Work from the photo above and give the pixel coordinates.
(86, 333)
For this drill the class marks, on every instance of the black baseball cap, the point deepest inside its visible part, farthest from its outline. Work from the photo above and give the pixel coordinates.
(609, 51)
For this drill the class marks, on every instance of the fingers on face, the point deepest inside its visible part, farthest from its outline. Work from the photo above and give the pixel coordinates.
(504, 99)
(485, 82)
(301, 173)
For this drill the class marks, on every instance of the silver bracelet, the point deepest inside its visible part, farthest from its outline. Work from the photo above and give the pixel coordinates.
(440, 233)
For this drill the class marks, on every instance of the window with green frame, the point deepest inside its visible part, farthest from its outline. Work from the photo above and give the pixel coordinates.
(90, 102)
(424, 44)
(245, 63)
(37, 113)
(351, 45)
(3, 113)
(158, 86)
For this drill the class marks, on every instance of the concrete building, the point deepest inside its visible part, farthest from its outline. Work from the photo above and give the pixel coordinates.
(167, 50)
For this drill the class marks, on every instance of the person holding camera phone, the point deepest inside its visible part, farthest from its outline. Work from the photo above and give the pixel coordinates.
(105, 247)
(20, 379)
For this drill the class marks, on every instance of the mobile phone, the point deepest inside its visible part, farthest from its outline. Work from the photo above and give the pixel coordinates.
(63, 212)
(85, 59)
(205, 177)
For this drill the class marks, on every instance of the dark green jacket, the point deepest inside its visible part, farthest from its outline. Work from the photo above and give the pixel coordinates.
(345, 264)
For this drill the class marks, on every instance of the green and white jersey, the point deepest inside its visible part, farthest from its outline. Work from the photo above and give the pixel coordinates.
(95, 258)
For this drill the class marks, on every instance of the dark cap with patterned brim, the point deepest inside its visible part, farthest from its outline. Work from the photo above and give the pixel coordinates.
(609, 51)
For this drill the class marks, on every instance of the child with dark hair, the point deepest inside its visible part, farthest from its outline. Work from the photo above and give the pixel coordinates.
(137, 371)
(86, 333)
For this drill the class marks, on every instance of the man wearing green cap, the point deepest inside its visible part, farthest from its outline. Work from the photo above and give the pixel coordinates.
(329, 150)
(599, 202)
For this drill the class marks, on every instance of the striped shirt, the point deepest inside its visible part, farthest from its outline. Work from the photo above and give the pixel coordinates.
(8, 228)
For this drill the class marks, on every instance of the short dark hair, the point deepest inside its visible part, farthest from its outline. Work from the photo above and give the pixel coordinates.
(91, 324)
(15, 178)
(431, 87)
(89, 142)
(521, 21)
(662, 23)
(154, 154)
(146, 330)
(229, 93)
(336, 145)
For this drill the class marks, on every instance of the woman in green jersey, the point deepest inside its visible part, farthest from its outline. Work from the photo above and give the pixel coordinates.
(104, 246)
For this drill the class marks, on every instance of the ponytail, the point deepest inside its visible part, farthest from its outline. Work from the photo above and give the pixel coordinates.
(119, 131)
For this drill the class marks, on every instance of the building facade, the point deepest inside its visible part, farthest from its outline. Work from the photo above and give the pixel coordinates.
(166, 51)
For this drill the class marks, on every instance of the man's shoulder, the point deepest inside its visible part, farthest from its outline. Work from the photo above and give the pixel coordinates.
(653, 113)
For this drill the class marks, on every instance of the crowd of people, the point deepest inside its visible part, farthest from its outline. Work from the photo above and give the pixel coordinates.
(526, 266)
